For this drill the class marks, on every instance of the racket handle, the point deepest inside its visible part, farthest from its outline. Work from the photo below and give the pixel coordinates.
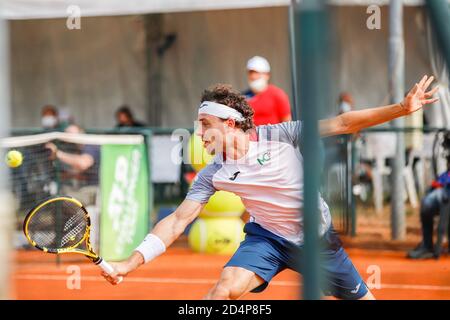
(105, 266)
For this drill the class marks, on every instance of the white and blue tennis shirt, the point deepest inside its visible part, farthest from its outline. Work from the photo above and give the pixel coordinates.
(269, 180)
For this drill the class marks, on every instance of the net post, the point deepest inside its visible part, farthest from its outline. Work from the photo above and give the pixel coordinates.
(397, 90)
(58, 213)
(6, 210)
(310, 46)
(348, 184)
(293, 54)
(352, 196)
(148, 135)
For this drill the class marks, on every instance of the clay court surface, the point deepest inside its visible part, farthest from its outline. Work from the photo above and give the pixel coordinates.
(182, 274)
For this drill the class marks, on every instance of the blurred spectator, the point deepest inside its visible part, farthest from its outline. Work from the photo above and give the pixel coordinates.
(270, 103)
(363, 168)
(83, 166)
(49, 117)
(124, 118)
(336, 146)
(433, 204)
(346, 102)
(65, 117)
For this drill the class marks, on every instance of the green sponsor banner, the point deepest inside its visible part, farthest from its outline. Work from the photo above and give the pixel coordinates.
(124, 193)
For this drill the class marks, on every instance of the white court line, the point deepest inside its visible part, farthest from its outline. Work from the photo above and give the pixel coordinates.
(415, 287)
(48, 277)
(45, 277)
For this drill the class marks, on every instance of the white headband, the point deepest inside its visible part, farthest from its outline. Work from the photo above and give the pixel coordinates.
(220, 110)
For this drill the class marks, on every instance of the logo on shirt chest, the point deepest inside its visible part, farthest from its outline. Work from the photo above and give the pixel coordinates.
(234, 176)
(264, 158)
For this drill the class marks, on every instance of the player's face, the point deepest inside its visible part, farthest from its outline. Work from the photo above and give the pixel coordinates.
(212, 131)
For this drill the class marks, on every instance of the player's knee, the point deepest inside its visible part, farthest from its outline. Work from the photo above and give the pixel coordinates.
(227, 290)
(236, 291)
(219, 292)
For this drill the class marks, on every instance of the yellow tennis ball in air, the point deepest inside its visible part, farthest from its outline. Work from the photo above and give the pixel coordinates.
(14, 158)
(216, 235)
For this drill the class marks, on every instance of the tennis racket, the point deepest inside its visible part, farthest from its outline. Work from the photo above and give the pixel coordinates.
(62, 225)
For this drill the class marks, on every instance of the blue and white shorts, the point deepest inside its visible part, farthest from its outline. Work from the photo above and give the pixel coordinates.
(267, 254)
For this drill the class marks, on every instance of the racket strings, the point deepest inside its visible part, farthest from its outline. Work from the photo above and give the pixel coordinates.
(58, 225)
(72, 234)
(40, 231)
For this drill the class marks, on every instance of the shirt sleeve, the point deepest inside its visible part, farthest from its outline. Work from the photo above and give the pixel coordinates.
(288, 132)
(202, 188)
(93, 151)
(283, 105)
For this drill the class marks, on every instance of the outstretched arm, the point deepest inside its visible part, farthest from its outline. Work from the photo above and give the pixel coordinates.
(166, 231)
(354, 121)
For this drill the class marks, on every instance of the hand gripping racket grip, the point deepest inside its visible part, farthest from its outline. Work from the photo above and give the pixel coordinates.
(105, 266)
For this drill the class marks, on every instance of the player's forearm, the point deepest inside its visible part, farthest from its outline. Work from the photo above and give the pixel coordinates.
(169, 229)
(160, 238)
(135, 260)
(354, 121)
(166, 231)
(172, 226)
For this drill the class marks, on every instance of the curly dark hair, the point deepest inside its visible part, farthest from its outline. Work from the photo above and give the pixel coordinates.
(225, 94)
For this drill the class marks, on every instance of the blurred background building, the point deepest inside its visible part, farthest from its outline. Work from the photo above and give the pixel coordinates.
(160, 60)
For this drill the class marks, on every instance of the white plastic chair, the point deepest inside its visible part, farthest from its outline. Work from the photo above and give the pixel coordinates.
(381, 146)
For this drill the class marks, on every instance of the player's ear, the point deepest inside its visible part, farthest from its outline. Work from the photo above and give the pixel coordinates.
(230, 123)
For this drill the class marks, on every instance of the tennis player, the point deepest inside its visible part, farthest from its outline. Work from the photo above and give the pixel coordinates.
(263, 165)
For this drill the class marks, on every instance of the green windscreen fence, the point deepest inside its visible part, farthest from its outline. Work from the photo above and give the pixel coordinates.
(124, 199)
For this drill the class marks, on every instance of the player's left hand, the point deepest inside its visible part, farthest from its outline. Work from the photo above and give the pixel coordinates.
(419, 96)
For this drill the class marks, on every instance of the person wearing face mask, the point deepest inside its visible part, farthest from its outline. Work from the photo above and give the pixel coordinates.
(345, 102)
(49, 117)
(269, 103)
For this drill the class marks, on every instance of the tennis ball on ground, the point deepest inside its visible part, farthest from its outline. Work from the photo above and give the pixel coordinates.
(223, 204)
(198, 156)
(14, 158)
(216, 235)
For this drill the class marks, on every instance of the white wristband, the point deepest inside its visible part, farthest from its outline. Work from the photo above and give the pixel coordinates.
(151, 247)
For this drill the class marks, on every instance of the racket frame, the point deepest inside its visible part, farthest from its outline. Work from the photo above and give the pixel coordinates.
(72, 249)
